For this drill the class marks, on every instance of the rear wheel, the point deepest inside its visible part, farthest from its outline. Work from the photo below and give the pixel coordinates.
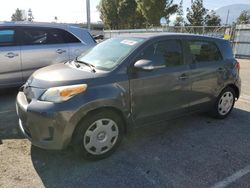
(98, 135)
(224, 103)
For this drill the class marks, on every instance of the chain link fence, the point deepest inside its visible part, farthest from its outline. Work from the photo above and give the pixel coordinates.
(218, 31)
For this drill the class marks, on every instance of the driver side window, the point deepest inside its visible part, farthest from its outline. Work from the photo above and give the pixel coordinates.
(167, 53)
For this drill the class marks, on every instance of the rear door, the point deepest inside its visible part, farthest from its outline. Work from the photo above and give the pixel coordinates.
(207, 69)
(42, 47)
(10, 64)
(161, 93)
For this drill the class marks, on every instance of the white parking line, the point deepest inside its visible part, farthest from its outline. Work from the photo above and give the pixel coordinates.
(7, 111)
(232, 178)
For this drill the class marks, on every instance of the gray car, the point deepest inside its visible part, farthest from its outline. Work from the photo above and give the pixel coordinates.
(26, 47)
(126, 82)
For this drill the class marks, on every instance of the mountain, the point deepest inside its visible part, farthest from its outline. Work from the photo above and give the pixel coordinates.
(234, 12)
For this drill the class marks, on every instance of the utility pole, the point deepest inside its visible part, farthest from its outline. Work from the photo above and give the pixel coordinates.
(227, 17)
(88, 13)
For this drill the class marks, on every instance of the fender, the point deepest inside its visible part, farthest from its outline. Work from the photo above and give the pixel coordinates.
(114, 96)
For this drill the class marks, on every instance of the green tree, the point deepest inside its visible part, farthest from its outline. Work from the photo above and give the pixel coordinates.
(212, 19)
(152, 10)
(18, 15)
(169, 9)
(244, 17)
(120, 14)
(108, 13)
(139, 20)
(179, 21)
(126, 11)
(196, 15)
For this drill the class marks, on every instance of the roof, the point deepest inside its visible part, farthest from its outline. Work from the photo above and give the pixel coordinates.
(163, 34)
(37, 24)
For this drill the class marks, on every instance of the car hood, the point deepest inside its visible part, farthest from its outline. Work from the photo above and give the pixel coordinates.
(61, 75)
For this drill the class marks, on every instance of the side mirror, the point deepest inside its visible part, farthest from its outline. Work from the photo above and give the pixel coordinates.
(144, 65)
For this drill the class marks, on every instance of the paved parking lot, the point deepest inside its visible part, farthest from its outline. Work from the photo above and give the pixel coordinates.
(195, 151)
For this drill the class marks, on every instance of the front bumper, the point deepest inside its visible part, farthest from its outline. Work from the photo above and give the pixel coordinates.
(43, 124)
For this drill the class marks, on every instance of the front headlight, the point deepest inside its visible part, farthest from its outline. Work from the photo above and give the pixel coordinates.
(63, 93)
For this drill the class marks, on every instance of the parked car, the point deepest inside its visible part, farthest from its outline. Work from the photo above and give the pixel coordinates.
(26, 47)
(126, 82)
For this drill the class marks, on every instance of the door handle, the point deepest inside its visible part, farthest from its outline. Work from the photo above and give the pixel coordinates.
(11, 55)
(60, 51)
(183, 77)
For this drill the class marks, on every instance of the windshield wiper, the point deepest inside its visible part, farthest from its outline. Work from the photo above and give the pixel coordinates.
(92, 67)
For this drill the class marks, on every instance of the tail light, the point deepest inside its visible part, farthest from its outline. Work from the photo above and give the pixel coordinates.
(238, 66)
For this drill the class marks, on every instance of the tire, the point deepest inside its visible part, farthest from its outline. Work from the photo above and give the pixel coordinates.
(98, 135)
(224, 103)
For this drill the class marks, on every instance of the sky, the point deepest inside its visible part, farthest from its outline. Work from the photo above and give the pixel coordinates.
(74, 11)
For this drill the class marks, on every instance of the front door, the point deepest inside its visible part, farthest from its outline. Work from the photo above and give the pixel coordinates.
(161, 93)
(10, 63)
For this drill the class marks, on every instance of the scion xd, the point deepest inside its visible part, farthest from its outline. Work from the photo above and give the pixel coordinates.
(124, 82)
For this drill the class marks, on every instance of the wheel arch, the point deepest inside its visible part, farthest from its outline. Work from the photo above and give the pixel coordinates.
(235, 88)
(116, 110)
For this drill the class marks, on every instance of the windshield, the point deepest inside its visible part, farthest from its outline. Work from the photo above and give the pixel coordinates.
(109, 53)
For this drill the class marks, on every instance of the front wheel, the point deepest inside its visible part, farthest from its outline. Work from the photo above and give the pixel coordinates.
(224, 103)
(98, 135)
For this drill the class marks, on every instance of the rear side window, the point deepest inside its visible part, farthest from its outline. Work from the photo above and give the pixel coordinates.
(168, 53)
(55, 36)
(69, 38)
(203, 51)
(39, 36)
(7, 37)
